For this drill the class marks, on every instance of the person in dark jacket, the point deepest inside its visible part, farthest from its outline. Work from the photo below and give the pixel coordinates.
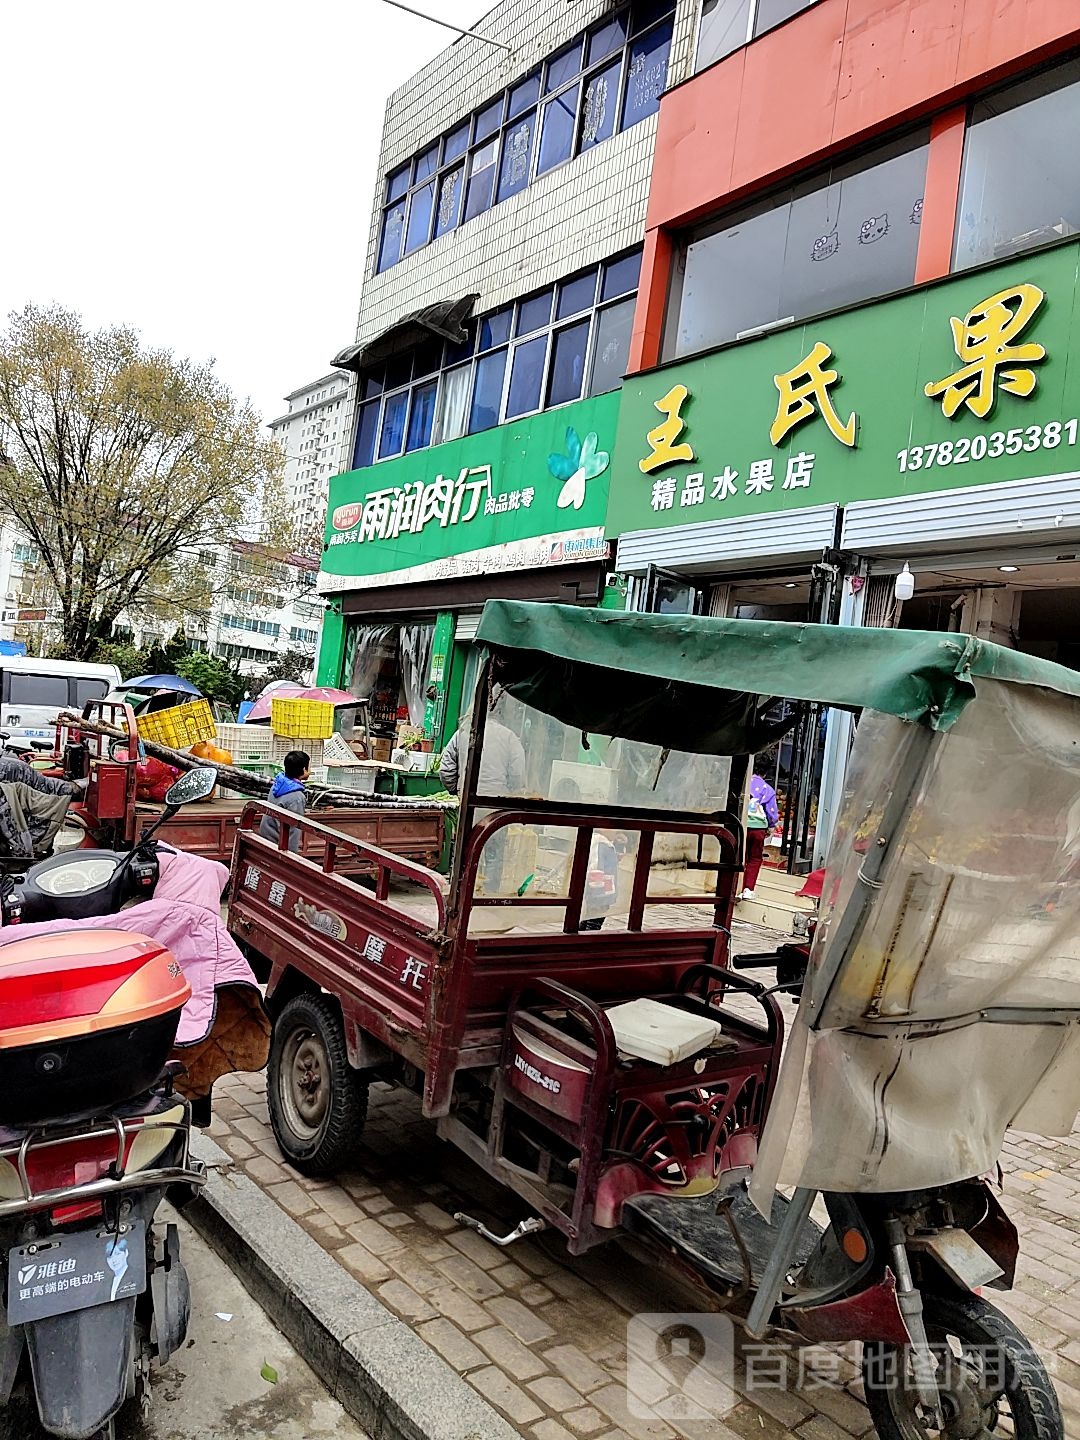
(288, 792)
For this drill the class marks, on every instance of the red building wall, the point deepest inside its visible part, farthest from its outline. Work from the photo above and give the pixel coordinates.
(833, 77)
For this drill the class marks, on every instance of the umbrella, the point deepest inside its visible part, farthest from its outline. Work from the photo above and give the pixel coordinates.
(340, 699)
(176, 683)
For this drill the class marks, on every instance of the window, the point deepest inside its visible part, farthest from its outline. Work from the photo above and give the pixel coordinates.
(549, 348)
(823, 243)
(727, 24)
(246, 622)
(87, 689)
(29, 689)
(606, 80)
(25, 554)
(304, 637)
(1020, 184)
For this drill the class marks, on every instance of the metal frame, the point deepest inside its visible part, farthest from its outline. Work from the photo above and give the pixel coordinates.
(188, 1171)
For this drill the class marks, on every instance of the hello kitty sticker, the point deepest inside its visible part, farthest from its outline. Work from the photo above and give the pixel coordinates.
(825, 246)
(874, 228)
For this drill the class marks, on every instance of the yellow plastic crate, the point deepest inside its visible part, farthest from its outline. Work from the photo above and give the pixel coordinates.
(302, 719)
(180, 726)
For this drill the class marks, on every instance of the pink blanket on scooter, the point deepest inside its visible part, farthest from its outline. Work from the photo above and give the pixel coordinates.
(185, 916)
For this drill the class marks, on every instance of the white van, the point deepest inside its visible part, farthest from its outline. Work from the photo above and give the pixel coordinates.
(33, 692)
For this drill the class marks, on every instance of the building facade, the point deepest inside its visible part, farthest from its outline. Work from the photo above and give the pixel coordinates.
(494, 331)
(313, 433)
(852, 340)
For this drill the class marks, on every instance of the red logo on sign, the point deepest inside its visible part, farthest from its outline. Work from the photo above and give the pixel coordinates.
(346, 516)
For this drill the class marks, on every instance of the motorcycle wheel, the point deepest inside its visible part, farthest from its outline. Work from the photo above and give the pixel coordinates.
(992, 1383)
(317, 1101)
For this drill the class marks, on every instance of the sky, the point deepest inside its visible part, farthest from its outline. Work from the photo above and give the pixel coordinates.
(204, 171)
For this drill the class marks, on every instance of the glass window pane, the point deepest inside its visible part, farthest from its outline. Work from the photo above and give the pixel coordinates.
(453, 408)
(390, 243)
(771, 13)
(488, 120)
(454, 353)
(372, 385)
(557, 130)
(607, 38)
(533, 313)
(393, 424)
(621, 276)
(576, 295)
(87, 689)
(567, 363)
(646, 75)
(1020, 185)
(366, 430)
(456, 143)
(487, 391)
(523, 97)
(398, 371)
(851, 235)
(725, 25)
(29, 689)
(526, 377)
(451, 188)
(644, 13)
(731, 280)
(601, 102)
(427, 359)
(481, 184)
(397, 182)
(421, 414)
(495, 329)
(612, 347)
(562, 67)
(516, 155)
(426, 162)
(420, 207)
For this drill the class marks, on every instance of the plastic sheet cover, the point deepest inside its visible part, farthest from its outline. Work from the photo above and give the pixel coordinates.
(956, 1011)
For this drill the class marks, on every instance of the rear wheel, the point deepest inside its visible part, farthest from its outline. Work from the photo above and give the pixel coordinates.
(317, 1101)
(991, 1381)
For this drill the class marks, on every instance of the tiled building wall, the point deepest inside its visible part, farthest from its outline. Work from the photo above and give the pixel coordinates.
(588, 209)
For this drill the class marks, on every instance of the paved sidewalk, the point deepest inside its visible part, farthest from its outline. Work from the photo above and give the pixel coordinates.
(543, 1337)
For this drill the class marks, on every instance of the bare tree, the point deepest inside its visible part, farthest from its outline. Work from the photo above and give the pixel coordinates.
(123, 464)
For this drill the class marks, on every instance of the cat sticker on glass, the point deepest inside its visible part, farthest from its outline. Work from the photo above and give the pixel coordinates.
(825, 246)
(916, 212)
(875, 228)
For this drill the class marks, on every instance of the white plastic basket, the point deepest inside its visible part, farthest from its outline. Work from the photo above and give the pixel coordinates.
(359, 779)
(246, 742)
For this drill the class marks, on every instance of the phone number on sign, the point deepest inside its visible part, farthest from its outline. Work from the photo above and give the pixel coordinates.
(988, 447)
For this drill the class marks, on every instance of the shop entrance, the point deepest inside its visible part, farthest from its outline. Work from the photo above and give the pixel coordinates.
(387, 664)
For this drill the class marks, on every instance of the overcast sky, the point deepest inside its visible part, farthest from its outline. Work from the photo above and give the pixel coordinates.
(204, 171)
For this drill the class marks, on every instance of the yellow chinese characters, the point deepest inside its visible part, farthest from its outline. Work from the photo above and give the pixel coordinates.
(804, 391)
(663, 449)
(983, 341)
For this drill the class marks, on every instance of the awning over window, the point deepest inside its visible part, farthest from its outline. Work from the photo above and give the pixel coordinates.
(445, 320)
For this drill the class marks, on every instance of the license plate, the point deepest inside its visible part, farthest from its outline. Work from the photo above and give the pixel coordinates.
(73, 1272)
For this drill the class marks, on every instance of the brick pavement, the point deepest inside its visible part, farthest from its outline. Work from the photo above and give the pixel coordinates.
(543, 1337)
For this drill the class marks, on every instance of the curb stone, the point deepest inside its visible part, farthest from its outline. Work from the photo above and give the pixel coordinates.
(383, 1374)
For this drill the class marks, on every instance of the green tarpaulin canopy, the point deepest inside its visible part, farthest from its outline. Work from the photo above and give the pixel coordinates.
(705, 685)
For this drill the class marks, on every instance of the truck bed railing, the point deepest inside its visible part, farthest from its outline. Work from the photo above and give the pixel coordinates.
(334, 850)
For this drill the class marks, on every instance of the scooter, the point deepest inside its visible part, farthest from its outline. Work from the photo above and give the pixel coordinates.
(93, 1136)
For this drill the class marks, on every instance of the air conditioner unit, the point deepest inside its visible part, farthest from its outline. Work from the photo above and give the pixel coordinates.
(11, 595)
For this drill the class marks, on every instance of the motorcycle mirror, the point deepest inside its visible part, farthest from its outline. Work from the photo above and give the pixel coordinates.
(194, 785)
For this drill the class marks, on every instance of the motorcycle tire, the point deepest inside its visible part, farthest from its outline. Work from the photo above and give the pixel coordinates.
(1008, 1366)
(317, 1101)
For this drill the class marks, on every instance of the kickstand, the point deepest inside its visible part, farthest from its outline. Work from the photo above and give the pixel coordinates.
(532, 1226)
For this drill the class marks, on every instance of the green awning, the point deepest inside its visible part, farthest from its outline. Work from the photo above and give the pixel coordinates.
(704, 685)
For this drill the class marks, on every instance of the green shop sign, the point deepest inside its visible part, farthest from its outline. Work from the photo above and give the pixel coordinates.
(953, 385)
(527, 494)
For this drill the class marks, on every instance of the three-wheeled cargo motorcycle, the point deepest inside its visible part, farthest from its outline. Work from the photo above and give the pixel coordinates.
(567, 1010)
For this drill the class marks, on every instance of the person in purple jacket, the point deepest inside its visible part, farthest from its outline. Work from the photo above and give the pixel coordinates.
(762, 813)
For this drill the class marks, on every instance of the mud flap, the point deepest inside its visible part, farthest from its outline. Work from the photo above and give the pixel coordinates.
(82, 1365)
(11, 1348)
(171, 1293)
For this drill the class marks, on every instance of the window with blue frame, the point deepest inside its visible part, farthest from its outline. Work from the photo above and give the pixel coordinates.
(604, 81)
(549, 348)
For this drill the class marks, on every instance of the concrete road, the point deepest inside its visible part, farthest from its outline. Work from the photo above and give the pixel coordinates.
(213, 1389)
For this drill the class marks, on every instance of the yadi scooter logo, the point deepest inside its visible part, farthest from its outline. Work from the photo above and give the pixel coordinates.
(27, 1273)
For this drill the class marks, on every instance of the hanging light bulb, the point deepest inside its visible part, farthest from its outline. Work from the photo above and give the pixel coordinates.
(904, 588)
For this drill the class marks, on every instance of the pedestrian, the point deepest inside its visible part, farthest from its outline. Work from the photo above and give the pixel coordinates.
(762, 813)
(602, 879)
(502, 763)
(288, 793)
